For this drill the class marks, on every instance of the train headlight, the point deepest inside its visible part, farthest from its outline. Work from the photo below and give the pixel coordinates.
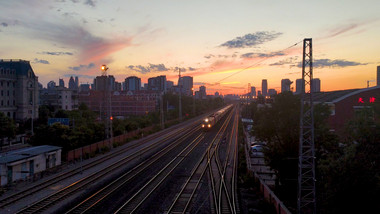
(203, 125)
(209, 125)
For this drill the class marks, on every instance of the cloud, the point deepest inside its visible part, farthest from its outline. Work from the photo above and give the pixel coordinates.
(90, 3)
(261, 55)
(156, 68)
(82, 67)
(42, 61)
(251, 40)
(91, 48)
(322, 63)
(220, 56)
(289, 61)
(4, 24)
(56, 53)
(79, 76)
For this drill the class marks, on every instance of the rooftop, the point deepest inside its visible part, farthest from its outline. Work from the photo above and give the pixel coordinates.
(336, 96)
(24, 153)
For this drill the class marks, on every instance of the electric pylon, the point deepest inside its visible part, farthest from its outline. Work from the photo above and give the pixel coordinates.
(306, 166)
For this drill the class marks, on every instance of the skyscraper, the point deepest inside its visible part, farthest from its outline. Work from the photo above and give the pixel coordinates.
(285, 85)
(61, 83)
(157, 83)
(76, 83)
(316, 85)
(72, 83)
(186, 84)
(132, 83)
(253, 91)
(202, 92)
(264, 87)
(299, 85)
(51, 85)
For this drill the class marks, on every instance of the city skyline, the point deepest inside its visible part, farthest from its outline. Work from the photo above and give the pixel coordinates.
(224, 46)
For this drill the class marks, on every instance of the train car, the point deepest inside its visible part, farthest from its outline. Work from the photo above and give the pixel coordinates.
(211, 120)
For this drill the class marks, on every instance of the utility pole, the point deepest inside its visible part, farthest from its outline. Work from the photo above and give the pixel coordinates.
(180, 92)
(162, 110)
(306, 202)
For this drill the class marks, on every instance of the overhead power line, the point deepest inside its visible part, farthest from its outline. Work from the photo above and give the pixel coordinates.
(256, 63)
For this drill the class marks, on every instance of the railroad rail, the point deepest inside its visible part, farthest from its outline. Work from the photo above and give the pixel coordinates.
(52, 199)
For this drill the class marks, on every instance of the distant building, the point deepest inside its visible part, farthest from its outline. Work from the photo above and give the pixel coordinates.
(132, 83)
(59, 98)
(84, 87)
(186, 85)
(259, 93)
(72, 83)
(61, 83)
(316, 82)
(18, 90)
(51, 84)
(299, 86)
(264, 87)
(202, 92)
(378, 76)
(253, 91)
(285, 85)
(157, 83)
(272, 92)
(101, 83)
(169, 85)
(117, 86)
(76, 83)
(123, 103)
(25, 163)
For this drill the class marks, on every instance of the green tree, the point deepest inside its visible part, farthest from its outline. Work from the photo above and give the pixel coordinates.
(7, 128)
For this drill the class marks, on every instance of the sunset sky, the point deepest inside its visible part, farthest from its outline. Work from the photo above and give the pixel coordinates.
(223, 44)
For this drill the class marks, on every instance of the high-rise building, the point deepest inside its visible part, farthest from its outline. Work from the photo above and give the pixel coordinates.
(102, 82)
(51, 84)
(132, 83)
(72, 83)
(299, 86)
(264, 87)
(76, 82)
(253, 91)
(185, 83)
(157, 83)
(61, 83)
(285, 85)
(378, 76)
(316, 82)
(202, 92)
(19, 95)
(169, 85)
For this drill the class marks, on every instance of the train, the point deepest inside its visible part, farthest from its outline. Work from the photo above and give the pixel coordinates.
(211, 120)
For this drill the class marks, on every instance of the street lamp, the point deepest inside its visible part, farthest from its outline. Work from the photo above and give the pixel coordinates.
(192, 93)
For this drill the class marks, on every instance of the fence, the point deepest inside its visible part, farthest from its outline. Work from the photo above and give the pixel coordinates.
(86, 151)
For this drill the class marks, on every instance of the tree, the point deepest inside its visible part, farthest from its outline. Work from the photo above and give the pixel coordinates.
(7, 128)
(351, 175)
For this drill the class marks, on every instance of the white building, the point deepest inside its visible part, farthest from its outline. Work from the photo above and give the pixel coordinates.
(24, 163)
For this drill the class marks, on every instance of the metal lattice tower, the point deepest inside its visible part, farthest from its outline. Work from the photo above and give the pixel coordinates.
(306, 166)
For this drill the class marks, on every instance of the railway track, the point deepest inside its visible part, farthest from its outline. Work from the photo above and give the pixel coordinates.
(90, 204)
(52, 199)
(183, 200)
